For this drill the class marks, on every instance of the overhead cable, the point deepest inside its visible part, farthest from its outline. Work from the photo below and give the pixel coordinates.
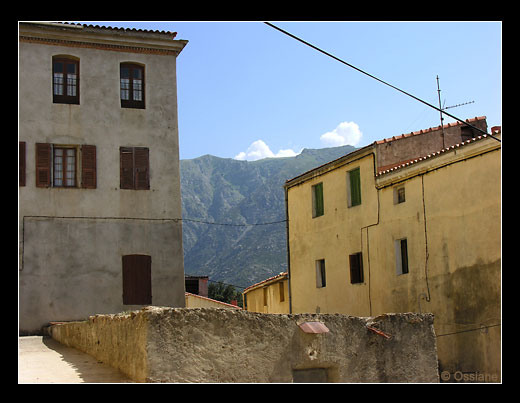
(378, 79)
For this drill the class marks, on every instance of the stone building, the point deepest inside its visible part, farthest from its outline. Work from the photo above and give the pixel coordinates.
(99, 194)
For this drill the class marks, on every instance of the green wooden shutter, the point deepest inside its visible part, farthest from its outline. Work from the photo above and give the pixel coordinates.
(318, 198)
(355, 187)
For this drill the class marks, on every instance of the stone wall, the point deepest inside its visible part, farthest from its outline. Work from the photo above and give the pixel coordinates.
(224, 345)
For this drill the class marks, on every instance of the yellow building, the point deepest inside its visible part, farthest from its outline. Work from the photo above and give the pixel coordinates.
(407, 224)
(268, 296)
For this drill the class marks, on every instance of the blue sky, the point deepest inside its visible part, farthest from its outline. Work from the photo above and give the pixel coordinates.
(247, 91)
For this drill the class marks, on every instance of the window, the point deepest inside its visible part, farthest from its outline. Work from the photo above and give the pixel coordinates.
(132, 85)
(320, 273)
(137, 280)
(399, 195)
(134, 168)
(65, 80)
(356, 268)
(57, 165)
(317, 200)
(282, 291)
(354, 187)
(310, 375)
(401, 256)
(21, 163)
(64, 167)
(265, 295)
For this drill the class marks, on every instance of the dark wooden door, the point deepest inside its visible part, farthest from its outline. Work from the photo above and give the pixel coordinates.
(137, 280)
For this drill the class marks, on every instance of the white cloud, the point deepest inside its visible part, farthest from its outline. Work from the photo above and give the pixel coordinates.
(258, 150)
(345, 133)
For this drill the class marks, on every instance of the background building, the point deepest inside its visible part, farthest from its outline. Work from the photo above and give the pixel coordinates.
(99, 193)
(268, 296)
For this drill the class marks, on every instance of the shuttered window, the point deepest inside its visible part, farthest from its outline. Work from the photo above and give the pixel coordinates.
(137, 279)
(317, 200)
(134, 168)
(356, 268)
(354, 187)
(21, 163)
(57, 166)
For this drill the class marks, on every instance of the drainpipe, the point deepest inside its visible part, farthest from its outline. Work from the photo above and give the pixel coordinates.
(368, 226)
(288, 248)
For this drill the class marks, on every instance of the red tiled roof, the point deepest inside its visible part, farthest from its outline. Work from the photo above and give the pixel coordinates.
(135, 30)
(280, 275)
(402, 164)
(431, 129)
(212, 300)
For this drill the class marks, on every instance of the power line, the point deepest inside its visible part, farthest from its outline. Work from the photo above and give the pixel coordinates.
(378, 79)
(230, 224)
(154, 219)
(468, 330)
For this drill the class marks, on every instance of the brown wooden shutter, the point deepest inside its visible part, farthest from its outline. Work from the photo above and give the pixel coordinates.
(21, 161)
(43, 165)
(141, 168)
(126, 157)
(88, 167)
(137, 280)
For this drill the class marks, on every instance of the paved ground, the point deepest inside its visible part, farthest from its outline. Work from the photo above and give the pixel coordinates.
(44, 360)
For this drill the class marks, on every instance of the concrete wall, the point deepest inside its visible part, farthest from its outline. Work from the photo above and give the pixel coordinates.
(230, 345)
(71, 268)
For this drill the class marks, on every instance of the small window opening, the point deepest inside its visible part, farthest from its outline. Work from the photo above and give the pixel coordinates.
(399, 195)
(320, 273)
(356, 268)
(282, 292)
(401, 255)
(310, 375)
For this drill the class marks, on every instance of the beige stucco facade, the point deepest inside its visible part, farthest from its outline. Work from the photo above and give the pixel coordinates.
(451, 220)
(72, 239)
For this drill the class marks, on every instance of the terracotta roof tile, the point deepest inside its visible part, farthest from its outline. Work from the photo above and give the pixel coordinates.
(280, 275)
(173, 34)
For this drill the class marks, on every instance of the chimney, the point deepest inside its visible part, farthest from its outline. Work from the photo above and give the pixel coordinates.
(234, 302)
(496, 130)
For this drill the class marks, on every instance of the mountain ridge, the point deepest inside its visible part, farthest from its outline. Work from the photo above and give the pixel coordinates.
(228, 191)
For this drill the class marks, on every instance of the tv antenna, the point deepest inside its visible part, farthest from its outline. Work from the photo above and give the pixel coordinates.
(441, 108)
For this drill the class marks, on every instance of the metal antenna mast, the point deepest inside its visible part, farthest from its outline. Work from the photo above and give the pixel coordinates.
(447, 107)
(440, 111)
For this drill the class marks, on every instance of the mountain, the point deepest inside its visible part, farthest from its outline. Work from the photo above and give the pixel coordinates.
(228, 191)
